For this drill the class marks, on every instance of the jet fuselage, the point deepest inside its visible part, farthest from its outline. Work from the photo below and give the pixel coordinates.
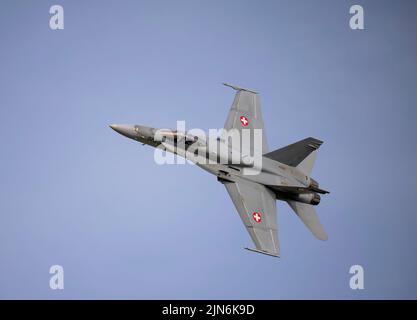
(288, 183)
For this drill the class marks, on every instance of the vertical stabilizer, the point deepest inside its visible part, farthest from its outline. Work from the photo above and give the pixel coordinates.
(301, 154)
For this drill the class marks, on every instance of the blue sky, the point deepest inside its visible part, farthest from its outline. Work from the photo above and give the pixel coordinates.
(75, 193)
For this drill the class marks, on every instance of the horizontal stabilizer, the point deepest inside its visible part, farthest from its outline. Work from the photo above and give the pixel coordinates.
(308, 215)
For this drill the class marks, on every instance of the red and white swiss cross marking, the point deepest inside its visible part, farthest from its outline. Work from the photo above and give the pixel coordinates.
(257, 217)
(244, 120)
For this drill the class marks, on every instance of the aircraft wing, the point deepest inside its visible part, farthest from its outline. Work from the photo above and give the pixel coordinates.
(256, 206)
(245, 113)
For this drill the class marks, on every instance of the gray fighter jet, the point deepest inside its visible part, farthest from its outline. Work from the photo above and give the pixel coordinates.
(284, 174)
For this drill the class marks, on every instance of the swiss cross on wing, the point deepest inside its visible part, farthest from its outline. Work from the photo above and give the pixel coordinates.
(244, 120)
(257, 217)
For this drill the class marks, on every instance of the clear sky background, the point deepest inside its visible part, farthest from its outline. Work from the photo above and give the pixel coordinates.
(75, 193)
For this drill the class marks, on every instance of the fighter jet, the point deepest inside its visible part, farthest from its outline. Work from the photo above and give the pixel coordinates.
(284, 174)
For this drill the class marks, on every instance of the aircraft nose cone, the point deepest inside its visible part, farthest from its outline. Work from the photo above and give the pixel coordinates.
(124, 129)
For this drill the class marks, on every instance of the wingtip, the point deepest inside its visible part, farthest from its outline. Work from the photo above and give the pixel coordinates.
(324, 238)
(321, 236)
(263, 252)
(237, 88)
